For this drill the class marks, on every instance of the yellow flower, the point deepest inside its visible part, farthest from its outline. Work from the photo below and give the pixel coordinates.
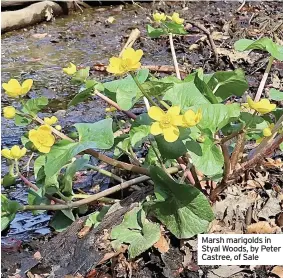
(110, 19)
(15, 153)
(9, 112)
(50, 121)
(166, 122)
(14, 89)
(263, 106)
(268, 130)
(176, 18)
(191, 118)
(110, 109)
(71, 69)
(42, 138)
(129, 61)
(58, 127)
(159, 17)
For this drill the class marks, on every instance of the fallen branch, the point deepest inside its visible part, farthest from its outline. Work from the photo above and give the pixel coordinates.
(35, 13)
(96, 196)
(154, 68)
(211, 41)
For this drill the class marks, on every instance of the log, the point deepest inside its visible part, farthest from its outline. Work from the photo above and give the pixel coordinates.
(35, 13)
(67, 254)
(12, 3)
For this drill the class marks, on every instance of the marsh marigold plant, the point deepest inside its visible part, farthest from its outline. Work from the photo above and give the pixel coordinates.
(129, 61)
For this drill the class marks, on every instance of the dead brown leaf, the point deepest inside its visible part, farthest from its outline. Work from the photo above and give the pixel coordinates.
(278, 270)
(234, 55)
(273, 164)
(37, 255)
(162, 245)
(262, 227)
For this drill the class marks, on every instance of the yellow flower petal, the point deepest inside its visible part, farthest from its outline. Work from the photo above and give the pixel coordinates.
(155, 129)
(26, 86)
(267, 132)
(16, 152)
(50, 140)
(156, 113)
(171, 134)
(44, 149)
(174, 110)
(6, 153)
(44, 128)
(179, 121)
(23, 152)
(71, 69)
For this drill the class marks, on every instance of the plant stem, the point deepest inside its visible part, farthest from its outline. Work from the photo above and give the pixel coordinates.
(162, 102)
(35, 188)
(264, 78)
(142, 90)
(63, 197)
(157, 155)
(104, 172)
(95, 196)
(227, 167)
(241, 139)
(174, 56)
(232, 135)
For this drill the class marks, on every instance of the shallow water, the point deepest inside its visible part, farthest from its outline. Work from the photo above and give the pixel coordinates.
(82, 38)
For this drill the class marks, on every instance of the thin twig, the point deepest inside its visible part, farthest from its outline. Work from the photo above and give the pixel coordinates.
(242, 5)
(95, 196)
(174, 56)
(114, 104)
(264, 78)
(211, 41)
(267, 151)
(104, 172)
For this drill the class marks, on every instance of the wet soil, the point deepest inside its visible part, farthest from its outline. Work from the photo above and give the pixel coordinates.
(87, 39)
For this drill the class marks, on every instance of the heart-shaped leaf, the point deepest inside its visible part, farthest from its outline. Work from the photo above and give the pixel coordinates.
(182, 208)
(266, 44)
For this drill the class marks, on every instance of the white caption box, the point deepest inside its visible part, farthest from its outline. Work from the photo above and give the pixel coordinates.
(230, 249)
